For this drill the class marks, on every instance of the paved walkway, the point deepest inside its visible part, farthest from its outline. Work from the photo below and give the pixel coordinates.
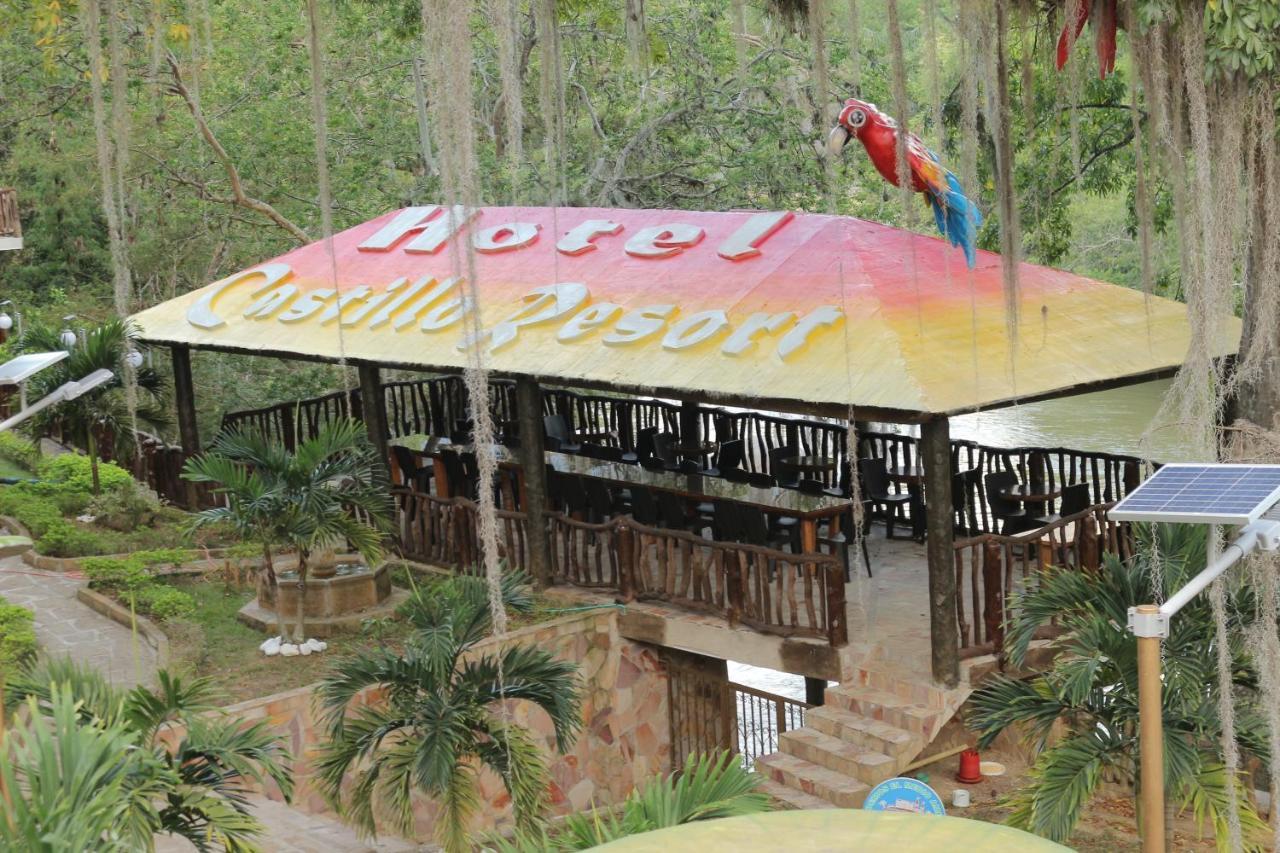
(292, 831)
(65, 627)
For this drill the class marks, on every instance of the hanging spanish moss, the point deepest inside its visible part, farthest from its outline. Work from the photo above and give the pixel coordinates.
(932, 74)
(822, 93)
(999, 115)
(551, 97)
(855, 48)
(969, 60)
(637, 34)
(1141, 193)
(424, 122)
(901, 109)
(1075, 86)
(447, 44)
(1027, 81)
(504, 15)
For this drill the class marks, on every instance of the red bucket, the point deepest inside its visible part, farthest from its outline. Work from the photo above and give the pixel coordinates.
(970, 772)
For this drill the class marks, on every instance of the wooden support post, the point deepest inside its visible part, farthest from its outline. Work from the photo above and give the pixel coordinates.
(374, 413)
(935, 455)
(184, 399)
(533, 463)
(1151, 739)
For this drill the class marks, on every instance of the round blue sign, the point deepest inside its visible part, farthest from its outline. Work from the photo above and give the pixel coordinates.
(904, 795)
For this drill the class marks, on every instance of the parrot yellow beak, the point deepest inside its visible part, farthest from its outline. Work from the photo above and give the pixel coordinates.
(837, 139)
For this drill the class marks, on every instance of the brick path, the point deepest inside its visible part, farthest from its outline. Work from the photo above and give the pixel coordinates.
(65, 627)
(292, 831)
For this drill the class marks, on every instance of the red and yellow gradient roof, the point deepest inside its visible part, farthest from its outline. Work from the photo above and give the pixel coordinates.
(850, 313)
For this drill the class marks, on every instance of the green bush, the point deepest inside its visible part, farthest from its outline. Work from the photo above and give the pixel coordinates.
(116, 574)
(17, 637)
(165, 556)
(17, 449)
(125, 506)
(164, 602)
(34, 511)
(65, 539)
(72, 472)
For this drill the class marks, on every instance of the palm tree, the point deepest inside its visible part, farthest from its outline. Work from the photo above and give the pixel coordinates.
(1092, 687)
(710, 786)
(113, 741)
(442, 718)
(104, 412)
(330, 489)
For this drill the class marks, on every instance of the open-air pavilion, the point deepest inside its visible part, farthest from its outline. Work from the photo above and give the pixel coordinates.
(770, 332)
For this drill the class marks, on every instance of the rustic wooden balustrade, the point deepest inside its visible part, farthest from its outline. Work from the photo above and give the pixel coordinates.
(774, 592)
(990, 567)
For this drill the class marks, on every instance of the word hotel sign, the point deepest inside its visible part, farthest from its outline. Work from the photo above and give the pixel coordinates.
(433, 305)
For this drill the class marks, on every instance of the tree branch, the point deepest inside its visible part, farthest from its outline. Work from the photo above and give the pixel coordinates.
(239, 197)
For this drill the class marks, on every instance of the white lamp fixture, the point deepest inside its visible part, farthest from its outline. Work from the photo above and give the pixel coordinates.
(6, 322)
(67, 337)
(134, 358)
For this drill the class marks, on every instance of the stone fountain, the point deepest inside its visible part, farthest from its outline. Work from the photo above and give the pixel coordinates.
(342, 591)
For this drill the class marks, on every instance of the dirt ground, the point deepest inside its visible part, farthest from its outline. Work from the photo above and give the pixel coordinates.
(1108, 825)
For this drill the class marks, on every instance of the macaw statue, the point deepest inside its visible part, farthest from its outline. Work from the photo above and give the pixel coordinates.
(957, 217)
(1105, 20)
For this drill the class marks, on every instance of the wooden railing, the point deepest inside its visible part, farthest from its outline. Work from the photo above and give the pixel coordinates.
(989, 567)
(763, 716)
(774, 592)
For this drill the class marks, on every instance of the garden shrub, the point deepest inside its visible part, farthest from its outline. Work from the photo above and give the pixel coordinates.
(72, 472)
(17, 449)
(17, 637)
(165, 556)
(164, 602)
(65, 539)
(116, 574)
(125, 506)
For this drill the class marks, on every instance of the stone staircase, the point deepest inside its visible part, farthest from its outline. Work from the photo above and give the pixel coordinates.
(867, 731)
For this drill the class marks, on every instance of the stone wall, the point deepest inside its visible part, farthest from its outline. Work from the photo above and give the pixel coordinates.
(624, 741)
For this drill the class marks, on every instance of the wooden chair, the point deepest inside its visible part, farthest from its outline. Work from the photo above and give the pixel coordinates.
(785, 474)
(1075, 498)
(1011, 514)
(875, 490)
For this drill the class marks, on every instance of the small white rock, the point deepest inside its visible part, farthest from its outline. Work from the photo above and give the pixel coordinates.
(289, 650)
(304, 649)
(315, 645)
(271, 646)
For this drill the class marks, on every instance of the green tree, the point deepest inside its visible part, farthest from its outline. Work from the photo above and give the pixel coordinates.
(94, 768)
(331, 489)
(103, 413)
(1092, 688)
(441, 721)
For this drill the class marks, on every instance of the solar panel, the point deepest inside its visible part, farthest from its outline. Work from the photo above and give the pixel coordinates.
(1203, 494)
(24, 366)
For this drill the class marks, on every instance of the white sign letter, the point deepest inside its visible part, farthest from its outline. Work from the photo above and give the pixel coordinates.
(578, 240)
(798, 336)
(307, 304)
(744, 337)
(504, 238)
(663, 241)
(588, 320)
(436, 224)
(542, 304)
(695, 329)
(639, 324)
(745, 242)
(202, 314)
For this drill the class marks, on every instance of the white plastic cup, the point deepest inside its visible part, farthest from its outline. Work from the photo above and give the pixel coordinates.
(960, 798)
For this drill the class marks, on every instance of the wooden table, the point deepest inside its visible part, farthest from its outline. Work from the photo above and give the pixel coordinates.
(1032, 493)
(809, 510)
(700, 451)
(815, 464)
(913, 476)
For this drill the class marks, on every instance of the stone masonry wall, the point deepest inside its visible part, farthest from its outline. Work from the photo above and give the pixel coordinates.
(625, 738)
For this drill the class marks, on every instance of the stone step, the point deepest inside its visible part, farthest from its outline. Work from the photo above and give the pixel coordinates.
(916, 691)
(791, 798)
(842, 791)
(849, 759)
(887, 707)
(874, 735)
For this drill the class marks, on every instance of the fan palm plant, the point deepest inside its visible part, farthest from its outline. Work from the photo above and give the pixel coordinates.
(710, 786)
(442, 719)
(104, 411)
(330, 489)
(114, 744)
(1092, 687)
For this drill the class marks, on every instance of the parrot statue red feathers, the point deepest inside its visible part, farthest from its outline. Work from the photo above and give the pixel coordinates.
(956, 216)
(1105, 20)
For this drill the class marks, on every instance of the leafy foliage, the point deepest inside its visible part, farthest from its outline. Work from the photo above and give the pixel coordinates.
(100, 739)
(441, 719)
(1092, 688)
(17, 637)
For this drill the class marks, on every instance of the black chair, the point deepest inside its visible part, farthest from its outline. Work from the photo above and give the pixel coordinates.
(555, 426)
(724, 522)
(602, 504)
(415, 476)
(609, 454)
(644, 444)
(811, 487)
(662, 444)
(725, 430)
(729, 456)
(462, 429)
(671, 507)
(653, 463)
(963, 488)
(785, 474)
(688, 466)
(1009, 513)
(1075, 498)
(592, 450)
(875, 490)
(574, 495)
(762, 481)
(735, 475)
(644, 507)
(755, 529)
